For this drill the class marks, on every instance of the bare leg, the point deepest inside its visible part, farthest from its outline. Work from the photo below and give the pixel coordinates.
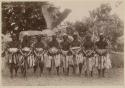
(57, 68)
(35, 68)
(99, 72)
(11, 69)
(16, 69)
(86, 73)
(103, 72)
(49, 69)
(91, 73)
(25, 75)
(63, 70)
(80, 68)
(74, 69)
(41, 65)
(68, 70)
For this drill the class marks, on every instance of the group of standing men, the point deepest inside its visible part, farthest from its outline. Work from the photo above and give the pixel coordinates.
(75, 54)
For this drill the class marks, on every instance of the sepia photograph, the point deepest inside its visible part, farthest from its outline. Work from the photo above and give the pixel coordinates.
(62, 43)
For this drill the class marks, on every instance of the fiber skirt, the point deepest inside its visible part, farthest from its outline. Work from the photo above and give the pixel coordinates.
(48, 60)
(68, 60)
(103, 62)
(90, 63)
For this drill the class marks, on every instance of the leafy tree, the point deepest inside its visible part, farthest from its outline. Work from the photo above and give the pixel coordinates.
(19, 16)
(101, 20)
(81, 28)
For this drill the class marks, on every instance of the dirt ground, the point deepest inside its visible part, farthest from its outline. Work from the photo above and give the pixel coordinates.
(113, 77)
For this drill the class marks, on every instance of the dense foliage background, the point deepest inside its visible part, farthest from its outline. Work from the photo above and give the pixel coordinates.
(22, 16)
(101, 20)
(19, 16)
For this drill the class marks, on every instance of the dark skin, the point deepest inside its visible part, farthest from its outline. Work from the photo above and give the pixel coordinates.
(88, 45)
(76, 43)
(25, 66)
(25, 43)
(13, 66)
(53, 43)
(101, 44)
(65, 45)
(40, 63)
